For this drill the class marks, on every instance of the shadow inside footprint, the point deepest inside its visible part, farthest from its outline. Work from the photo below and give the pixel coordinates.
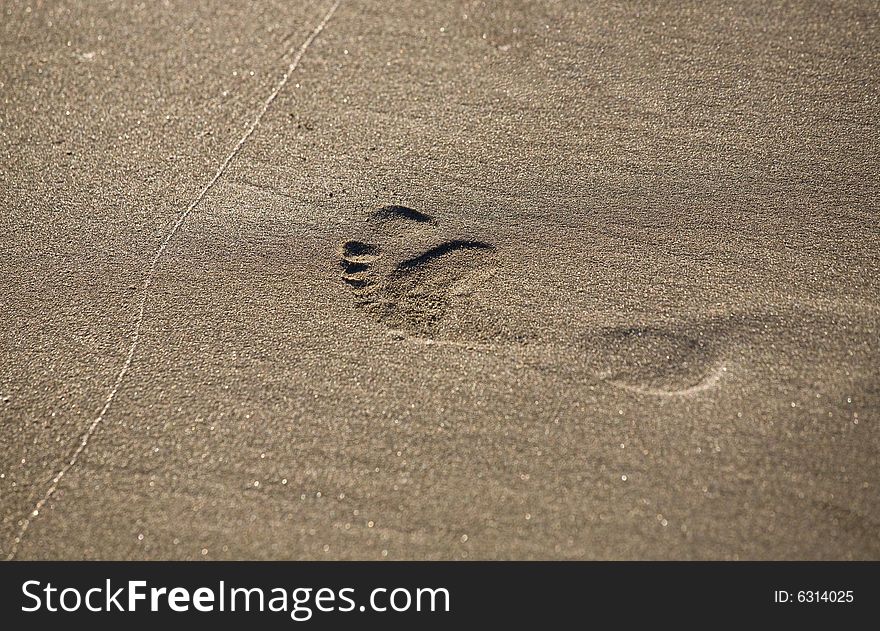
(406, 292)
(359, 251)
(654, 360)
(395, 213)
(414, 294)
(355, 259)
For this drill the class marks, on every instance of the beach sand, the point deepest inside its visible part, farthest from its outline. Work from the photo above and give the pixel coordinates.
(472, 280)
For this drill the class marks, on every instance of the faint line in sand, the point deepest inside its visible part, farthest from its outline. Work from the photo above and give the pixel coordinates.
(710, 381)
(151, 274)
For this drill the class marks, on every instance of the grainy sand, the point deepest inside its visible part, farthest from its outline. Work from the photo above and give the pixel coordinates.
(485, 280)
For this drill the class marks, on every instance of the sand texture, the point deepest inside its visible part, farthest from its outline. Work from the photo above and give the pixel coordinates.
(440, 280)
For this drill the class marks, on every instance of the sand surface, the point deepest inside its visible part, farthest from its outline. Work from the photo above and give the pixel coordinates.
(481, 280)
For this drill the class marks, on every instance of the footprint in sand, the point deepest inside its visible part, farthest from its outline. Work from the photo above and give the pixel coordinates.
(411, 287)
(410, 279)
(654, 360)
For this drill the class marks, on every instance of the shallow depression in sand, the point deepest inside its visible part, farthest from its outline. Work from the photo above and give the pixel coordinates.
(653, 358)
(410, 292)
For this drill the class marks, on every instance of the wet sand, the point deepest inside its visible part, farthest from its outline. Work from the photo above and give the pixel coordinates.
(475, 280)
